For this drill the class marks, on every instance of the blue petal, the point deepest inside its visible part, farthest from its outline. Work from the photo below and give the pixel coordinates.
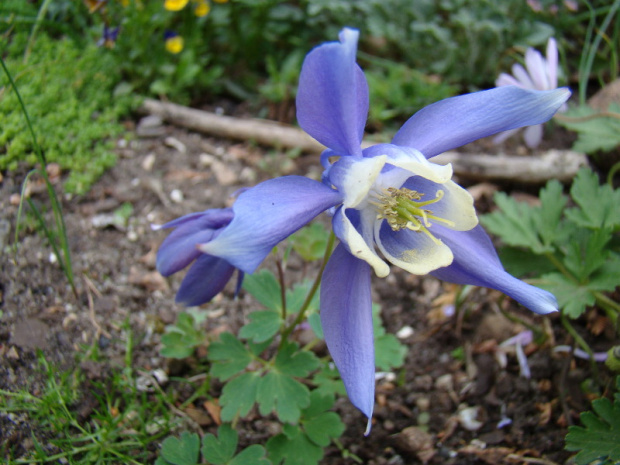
(267, 214)
(457, 121)
(346, 318)
(179, 249)
(213, 219)
(204, 280)
(476, 262)
(332, 98)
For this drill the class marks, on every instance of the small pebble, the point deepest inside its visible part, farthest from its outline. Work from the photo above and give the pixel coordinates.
(404, 332)
(468, 418)
(176, 196)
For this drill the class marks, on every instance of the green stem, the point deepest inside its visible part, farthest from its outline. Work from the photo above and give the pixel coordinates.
(35, 27)
(282, 287)
(612, 173)
(582, 119)
(560, 266)
(302, 311)
(582, 343)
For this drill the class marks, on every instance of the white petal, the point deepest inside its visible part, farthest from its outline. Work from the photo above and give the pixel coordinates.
(359, 180)
(457, 205)
(412, 251)
(357, 244)
(415, 163)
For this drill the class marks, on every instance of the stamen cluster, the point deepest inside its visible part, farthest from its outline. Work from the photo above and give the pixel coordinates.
(402, 209)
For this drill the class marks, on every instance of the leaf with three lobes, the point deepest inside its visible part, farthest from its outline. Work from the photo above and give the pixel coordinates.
(594, 134)
(320, 425)
(293, 448)
(252, 455)
(606, 278)
(572, 297)
(294, 362)
(586, 252)
(263, 326)
(598, 204)
(239, 395)
(515, 224)
(389, 352)
(599, 438)
(284, 395)
(181, 451)
(220, 450)
(265, 288)
(328, 382)
(548, 216)
(229, 356)
(310, 242)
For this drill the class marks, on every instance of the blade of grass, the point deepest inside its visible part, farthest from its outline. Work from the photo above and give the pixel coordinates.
(65, 258)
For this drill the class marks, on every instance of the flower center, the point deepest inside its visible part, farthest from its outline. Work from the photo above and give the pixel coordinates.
(403, 208)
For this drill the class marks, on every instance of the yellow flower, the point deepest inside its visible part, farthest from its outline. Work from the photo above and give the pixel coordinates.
(174, 42)
(175, 5)
(202, 8)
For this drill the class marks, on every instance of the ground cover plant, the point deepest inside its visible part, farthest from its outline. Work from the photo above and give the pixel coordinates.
(265, 369)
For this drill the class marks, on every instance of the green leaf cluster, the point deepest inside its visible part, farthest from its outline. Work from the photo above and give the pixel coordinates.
(69, 92)
(219, 450)
(274, 386)
(310, 241)
(598, 441)
(182, 338)
(303, 443)
(573, 251)
(596, 131)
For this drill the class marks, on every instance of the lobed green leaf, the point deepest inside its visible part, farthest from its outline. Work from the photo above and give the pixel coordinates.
(599, 438)
(263, 326)
(181, 451)
(220, 450)
(229, 356)
(597, 204)
(239, 395)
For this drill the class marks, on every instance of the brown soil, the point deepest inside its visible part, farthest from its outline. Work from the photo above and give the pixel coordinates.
(117, 282)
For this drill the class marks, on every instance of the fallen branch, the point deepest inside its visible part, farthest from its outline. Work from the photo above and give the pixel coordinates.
(554, 164)
(262, 131)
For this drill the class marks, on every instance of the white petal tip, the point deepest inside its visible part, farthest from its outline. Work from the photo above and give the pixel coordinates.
(368, 426)
(156, 227)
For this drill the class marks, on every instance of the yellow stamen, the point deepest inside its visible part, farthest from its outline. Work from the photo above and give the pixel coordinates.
(402, 208)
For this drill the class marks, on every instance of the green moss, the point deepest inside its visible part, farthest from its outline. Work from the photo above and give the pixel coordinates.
(69, 94)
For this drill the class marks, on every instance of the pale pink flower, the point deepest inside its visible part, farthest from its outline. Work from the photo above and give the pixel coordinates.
(539, 73)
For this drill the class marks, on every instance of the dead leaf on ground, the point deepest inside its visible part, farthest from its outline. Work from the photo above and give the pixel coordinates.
(198, 415)
(214, 409)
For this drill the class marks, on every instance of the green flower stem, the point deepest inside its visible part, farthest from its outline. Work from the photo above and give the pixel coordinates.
(560, 266)
(315, 286)
(583, 119)
(282, 287)
(582, 343)
(35, 27)
(612, 173)
(587, 59)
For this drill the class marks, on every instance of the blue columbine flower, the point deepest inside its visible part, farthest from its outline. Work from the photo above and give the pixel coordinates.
(387, 197)
(208, 274)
